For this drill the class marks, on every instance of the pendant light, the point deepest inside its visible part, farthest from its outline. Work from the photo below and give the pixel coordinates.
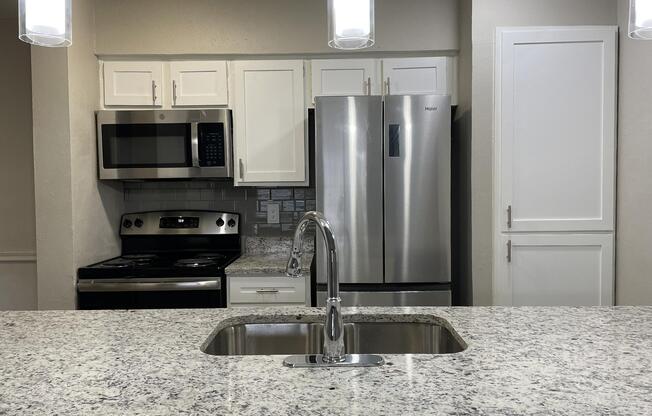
(640, 19)
(45, 22)
(351, 24)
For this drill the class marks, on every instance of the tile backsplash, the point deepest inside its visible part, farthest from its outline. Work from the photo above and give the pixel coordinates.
(251, 203)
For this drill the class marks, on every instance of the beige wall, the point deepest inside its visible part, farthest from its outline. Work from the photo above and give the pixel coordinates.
(75, 216)
(262, 26)
(634, 229)
(487, 15)
(17, 238)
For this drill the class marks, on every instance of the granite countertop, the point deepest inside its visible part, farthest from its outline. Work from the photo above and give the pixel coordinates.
(268, 256)
(519, 361)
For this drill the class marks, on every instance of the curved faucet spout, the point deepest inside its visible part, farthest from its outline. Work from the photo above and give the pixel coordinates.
(334, 328)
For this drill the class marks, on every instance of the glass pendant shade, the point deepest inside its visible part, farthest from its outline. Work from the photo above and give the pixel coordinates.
(640, 19)
(45, 22)
(351, 24)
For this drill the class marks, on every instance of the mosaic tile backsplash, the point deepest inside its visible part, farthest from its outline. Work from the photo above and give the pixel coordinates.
(250, 203)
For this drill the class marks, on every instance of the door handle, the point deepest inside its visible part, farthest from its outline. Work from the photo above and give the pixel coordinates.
(262, 291)
(509, 216)
(154, 97)
(174, 92)
(509, 251)
(387, 84)
(241, 169)
(369, 86)
(194, 145)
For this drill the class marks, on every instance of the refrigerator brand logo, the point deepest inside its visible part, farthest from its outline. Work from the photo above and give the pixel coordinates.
(431, 108)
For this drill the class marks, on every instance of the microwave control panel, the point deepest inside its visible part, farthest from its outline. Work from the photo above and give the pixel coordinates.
(211, 144)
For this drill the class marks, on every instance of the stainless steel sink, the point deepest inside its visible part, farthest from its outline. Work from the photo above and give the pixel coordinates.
(359, 338)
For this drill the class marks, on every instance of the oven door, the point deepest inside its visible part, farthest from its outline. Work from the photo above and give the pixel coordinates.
(150, 293)
(172, 144)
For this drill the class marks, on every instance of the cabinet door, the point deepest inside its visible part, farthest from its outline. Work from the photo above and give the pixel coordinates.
(406, 76)
(345, 77)
(554, 270)
(555, 129)
(198, 83)
(269, 128)
(133, 83)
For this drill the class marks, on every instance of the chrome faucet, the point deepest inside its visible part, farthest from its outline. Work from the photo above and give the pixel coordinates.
(334, 327)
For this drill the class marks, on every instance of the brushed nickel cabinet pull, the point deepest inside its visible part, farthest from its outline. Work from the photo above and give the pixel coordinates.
(241, 168)
(509, 216)
(267, 291)
(509, 251)
(174, 91)
(154, 97)
(369, 86)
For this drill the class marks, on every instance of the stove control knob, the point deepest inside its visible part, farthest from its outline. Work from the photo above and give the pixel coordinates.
(231, 223)
(220, 222)
(126, 223)
(138, 223)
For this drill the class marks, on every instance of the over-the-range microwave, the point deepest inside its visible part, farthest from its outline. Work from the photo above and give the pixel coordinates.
(165, 144)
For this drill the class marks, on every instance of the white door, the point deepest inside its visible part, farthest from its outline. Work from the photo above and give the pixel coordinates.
(345, 77)
(269, 123)
(554, 270)
(199, 83)
(555, 128)
(133, 83)
(406, 76)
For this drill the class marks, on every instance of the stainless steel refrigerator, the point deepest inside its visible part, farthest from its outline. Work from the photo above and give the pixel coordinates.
(383, 182)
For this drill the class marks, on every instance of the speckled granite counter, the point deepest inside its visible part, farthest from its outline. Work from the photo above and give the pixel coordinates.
(268, 256)
(561, 361)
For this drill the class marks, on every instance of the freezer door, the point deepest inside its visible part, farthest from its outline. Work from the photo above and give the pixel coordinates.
(417, 188)
(349, 165)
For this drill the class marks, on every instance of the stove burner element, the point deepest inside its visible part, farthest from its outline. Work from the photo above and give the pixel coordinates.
(118, 263)
(211, 256)
(139, 256)
(198, 262)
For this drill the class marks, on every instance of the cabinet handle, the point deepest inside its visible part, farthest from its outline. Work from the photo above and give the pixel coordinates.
(154, 93)
(387, 84)
(369, 86)
(509, 216)
(267, 291)
(174, 91)
(509, 251)
(241, 169)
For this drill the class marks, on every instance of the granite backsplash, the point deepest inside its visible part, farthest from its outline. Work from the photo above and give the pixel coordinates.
(250, 203)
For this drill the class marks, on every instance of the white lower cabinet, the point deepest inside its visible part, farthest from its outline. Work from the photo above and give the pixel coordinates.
(266, 291)
(554, 270)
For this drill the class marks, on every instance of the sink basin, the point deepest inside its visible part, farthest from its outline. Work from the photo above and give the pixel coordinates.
(289, 338)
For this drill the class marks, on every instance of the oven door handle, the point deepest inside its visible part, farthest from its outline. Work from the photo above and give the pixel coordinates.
(115, 285)
(194, 144)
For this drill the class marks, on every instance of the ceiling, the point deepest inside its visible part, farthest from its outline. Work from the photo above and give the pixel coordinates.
(8, 9)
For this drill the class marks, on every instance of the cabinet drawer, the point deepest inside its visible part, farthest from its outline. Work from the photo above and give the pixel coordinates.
(267, 290)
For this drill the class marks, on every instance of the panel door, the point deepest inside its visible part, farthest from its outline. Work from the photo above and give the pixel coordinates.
(133, 83)
(345, 77)
(554, 270)
(269, 128)
(199, 83)
(555, 129)
(410, 76)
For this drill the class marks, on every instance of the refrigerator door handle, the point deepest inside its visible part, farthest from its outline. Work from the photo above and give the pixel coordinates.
(394, 147)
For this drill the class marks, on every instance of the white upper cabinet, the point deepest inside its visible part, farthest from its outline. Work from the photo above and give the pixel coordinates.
(555, 270)
(555, 128)
(345, 77)
(405, 76)
(269, 123)
(198, 83)
(133, 83)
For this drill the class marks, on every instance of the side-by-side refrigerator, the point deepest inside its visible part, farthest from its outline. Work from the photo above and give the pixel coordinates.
(383, 178)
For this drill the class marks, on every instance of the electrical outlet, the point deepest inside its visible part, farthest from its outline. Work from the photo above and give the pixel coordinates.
(273, 213)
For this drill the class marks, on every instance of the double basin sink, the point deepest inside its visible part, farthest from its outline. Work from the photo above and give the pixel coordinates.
(381, 336)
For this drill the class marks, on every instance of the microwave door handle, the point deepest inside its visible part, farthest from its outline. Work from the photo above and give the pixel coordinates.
(194, 144)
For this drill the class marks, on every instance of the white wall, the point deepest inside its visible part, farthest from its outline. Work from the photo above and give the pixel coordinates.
(76, 216)
(17, 238)
(634, 228)
(487, 15)
(262, 26)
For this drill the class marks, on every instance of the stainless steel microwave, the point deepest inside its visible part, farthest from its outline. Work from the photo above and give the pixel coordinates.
(165, 144)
